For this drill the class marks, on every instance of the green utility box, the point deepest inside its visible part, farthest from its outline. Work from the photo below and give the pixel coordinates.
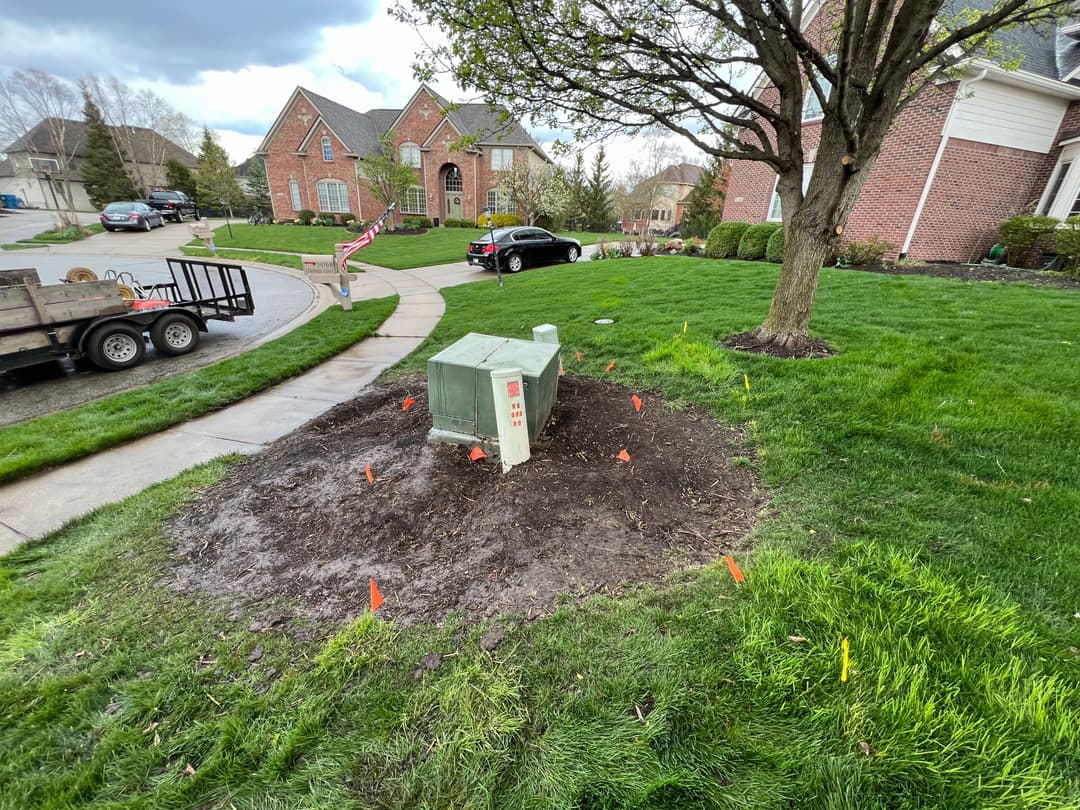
(459, 384)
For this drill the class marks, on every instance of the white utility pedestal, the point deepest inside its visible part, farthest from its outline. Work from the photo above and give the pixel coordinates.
(508, 389)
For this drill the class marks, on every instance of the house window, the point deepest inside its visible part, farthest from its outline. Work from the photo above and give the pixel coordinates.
(501, 159)
(812, 110)
(1061, 197)
(414, 201)
(327, 148)
(775, 214)
(333, 196)
(499, 202)
(294, 192)
(453, 180)
(410, 155)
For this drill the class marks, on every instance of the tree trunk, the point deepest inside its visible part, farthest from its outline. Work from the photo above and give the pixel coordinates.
(788, 323)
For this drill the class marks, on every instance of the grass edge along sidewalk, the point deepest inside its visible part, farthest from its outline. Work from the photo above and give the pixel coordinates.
(47, 441)
(924, 510)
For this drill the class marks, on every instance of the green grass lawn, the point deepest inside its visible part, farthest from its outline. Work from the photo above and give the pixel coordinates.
(398, 252)
(926, 504)
(280, 259)
(48, 441)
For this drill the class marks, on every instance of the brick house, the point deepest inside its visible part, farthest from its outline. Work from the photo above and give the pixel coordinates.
(961, 158)
(315, 152)
(33, 159)
(656, 204)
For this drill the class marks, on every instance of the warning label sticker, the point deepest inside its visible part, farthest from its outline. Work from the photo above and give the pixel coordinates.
(513, 388)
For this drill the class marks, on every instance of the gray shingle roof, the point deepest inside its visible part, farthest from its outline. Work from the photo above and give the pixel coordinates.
(360, 131)
(685, 173)
(1036, 45)
(39, 141)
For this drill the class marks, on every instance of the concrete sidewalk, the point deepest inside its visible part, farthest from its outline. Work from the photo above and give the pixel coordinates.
(32, 508)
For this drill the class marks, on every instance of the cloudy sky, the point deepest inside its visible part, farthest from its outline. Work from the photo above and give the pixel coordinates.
(233, 66)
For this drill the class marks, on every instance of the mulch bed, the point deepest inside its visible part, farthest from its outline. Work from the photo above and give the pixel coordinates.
(299, 528)
(979, 272)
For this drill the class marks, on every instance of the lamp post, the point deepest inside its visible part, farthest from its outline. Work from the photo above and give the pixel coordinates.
(498, 271)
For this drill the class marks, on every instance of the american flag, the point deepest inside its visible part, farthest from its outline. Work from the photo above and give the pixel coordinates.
(364, 239)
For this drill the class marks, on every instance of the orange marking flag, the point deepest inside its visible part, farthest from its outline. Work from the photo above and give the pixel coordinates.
(734, 569)
(408, 403)
(376, 597)
(623, 455)
(476, 454)
(370, 477)
(578, 355)
(637, 402)
(610, 366)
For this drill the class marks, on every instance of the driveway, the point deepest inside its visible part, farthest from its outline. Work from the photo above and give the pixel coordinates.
(283, 299)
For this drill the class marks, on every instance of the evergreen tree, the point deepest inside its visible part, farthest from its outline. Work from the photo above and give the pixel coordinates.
(216, 182)
(705, 207)
(598, 210)
(258, 185)
(103, 171)
(575, 181)
(178, 177)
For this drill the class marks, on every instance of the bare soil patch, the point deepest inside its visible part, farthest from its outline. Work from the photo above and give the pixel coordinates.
(299, 530)
(979, 272)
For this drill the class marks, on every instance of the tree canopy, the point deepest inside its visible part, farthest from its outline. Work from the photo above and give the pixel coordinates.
(103, 171)
(732, 77)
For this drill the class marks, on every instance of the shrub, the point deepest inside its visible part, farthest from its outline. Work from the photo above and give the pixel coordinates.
(357, 226)
(347, 218)
(1022, 234)
(1067, 244)
(692, 246)
(326, 219)
(305, 216)
(755, 239)
(865, 254)
(498, 220)
(723, 241)
(774, 248)
(416, 223)
(646, 246)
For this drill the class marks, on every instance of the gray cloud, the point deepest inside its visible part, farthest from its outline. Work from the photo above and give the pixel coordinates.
(173, 42)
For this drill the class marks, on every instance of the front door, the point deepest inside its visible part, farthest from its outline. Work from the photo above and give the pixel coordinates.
(452, 189)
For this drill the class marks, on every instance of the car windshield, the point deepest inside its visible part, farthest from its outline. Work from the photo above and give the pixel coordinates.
(120, 207)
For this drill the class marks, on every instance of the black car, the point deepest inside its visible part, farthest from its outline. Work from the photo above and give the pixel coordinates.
(520, 247)
(130, 215)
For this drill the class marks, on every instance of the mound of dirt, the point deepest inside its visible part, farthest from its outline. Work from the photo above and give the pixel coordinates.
(299, 528)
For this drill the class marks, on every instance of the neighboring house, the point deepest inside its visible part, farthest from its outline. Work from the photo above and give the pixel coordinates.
(656, 204)
(961, 158)
(242, 174)
(316, 148)
(32, 159)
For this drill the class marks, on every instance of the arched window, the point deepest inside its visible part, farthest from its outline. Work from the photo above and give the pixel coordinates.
(333, 196)
(410, 155)
(327, 148)
(453, 180)
(500, 202)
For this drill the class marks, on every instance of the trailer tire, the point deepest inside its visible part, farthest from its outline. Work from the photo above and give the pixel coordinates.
(174, 334)
(115, 346)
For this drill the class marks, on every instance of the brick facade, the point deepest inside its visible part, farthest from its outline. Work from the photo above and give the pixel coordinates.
(293, 152)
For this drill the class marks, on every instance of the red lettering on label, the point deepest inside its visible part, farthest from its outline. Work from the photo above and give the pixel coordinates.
(513, 388)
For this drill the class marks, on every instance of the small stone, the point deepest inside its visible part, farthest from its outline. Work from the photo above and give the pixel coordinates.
(256, 654)
(492, 639)
(112, 708)
(431, 661)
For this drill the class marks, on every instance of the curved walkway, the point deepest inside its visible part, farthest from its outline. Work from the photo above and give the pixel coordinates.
(32, 508)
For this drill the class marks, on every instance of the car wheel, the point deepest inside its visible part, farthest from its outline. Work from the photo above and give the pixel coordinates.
(174, 334)
(198, 214)
(110, 230)
(572, 254)
(514, 263)
(179, 216)
(115, 346)
(146, 223)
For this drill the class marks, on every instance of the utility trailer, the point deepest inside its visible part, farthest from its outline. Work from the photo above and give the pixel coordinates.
(98, 320)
